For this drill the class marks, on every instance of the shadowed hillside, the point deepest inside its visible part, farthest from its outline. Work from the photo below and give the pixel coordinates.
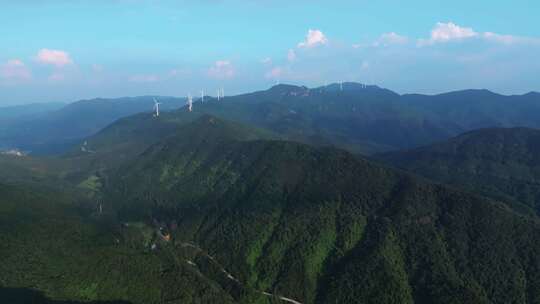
(29, 296)
(500, 163)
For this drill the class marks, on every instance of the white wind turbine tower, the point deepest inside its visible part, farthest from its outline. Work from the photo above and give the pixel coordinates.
(156, 107)
(341, 86)
(202, 95)
(190, 102)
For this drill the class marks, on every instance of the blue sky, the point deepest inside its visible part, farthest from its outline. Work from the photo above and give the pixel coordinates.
(69, 50)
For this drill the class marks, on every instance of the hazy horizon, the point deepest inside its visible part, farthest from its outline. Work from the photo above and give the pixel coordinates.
(63, 51)
(211, 94)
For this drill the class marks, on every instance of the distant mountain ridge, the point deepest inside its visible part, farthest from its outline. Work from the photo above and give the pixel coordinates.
(28, 110)
(499, 163)
(56, 131)
(366, 119)
(360, 118)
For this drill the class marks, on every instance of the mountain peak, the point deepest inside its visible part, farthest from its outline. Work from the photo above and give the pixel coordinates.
(533, 94)
(286, 88)
(211, 128)
(471, 92)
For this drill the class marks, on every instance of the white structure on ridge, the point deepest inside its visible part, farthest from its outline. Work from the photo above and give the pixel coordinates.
(220, 94)
(156, 107)
(190, 102)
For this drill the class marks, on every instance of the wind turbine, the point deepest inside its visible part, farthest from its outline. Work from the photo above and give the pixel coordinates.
(190, 102)
(156, 107)
(202, 95)
(341, 86)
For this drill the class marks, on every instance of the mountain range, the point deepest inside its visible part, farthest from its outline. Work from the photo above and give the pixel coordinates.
(267, 198)
(362, 119)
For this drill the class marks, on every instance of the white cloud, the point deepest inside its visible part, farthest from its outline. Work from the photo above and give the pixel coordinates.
(390, 38)
(384, 40)
(446, 32)
(291, 55)
(313, 38)
(144, 78)
(222, 69)
(14, 71)
(57, 58)
(509, 39)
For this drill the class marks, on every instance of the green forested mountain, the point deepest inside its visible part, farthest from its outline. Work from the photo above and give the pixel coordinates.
(55, 251)
(253, 219)
(322, 226)
(500, 163)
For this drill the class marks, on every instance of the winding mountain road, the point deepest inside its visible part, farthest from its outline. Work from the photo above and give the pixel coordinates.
(230, 276)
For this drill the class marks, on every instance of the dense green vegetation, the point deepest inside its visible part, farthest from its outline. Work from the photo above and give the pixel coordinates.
(320, 226)
(250, 214)
(500, 163)
(48, 245)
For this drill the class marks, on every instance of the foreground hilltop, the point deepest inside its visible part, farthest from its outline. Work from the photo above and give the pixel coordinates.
(234, 214)
(320, 225)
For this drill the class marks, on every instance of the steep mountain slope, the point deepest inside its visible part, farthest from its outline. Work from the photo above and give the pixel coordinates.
(499, 163)
(56, 131)
(51, 253)
(322, 226)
